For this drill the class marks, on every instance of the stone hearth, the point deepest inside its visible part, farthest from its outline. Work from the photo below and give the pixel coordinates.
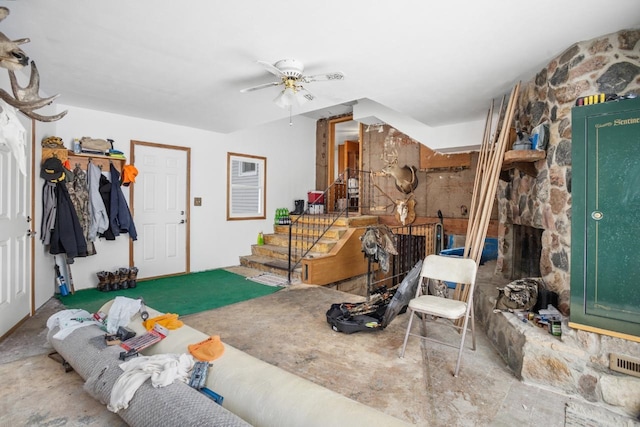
(575, 363)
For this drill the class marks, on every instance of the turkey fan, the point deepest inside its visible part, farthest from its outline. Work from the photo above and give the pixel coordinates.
(289, 71)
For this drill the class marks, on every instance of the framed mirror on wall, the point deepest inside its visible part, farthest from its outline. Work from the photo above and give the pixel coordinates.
(246, 186)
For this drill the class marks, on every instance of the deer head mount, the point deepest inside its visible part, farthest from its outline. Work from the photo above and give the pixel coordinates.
(406, 177)
(24, 99)
(405, 212)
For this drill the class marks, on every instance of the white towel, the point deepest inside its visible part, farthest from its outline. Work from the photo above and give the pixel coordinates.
(64, 319)
(163, 369)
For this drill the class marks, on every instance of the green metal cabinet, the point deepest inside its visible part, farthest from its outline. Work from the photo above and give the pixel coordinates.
(605, 223)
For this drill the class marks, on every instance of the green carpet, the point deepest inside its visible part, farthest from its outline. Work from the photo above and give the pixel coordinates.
(186, 294)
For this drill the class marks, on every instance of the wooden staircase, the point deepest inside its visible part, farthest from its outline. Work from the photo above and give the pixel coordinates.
(336, 256)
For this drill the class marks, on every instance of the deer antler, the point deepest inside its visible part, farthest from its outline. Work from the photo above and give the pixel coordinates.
(24, 99)
(27, 99)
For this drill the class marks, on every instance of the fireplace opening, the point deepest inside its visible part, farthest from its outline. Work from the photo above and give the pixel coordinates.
(527, 247)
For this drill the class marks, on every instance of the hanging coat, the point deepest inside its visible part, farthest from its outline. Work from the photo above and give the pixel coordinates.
(98, 217)
(79, 193)
(67, 236)
(105, 193)
(120, 215)
(48, 211)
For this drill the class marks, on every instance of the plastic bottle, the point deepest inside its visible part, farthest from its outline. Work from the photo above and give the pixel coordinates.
(62, 285)
(260, 238)
(76, 146)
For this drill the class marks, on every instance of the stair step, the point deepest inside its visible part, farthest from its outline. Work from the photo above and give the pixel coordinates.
(323, 245)
(351, 221)
(335, 232)
(361, 220)
(269, 265)
(278, 252)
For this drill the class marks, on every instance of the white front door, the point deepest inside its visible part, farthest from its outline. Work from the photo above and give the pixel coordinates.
(15, 242)
(161, 209)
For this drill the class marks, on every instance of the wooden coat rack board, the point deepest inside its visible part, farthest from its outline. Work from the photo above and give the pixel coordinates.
(101, 161)
(82, 159)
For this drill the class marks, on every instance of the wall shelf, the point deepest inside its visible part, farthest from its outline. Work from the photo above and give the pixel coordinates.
(523, 160)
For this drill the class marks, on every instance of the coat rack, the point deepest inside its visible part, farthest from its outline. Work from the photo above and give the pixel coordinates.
(101, 161)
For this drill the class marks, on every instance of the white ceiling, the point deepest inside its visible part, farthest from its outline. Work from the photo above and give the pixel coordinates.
(185, 62)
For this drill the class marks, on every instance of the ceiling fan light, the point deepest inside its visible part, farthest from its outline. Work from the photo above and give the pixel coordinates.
(293, 96)
(286, 98)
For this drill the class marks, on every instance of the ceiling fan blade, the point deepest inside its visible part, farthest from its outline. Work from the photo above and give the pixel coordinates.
(336, 75)
(271, 68)
(303, 96)
(262, 86)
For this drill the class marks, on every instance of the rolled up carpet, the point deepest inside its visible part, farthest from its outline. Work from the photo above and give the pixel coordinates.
(177, 404)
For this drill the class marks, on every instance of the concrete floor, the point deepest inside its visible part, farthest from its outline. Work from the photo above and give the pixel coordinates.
(289, 329)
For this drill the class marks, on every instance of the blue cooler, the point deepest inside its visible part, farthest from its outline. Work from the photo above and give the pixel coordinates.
(489, 252)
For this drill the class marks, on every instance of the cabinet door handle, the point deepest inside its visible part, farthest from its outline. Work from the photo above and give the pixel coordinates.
(597, 215)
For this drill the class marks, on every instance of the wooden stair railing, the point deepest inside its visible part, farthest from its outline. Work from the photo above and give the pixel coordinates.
(338, 200)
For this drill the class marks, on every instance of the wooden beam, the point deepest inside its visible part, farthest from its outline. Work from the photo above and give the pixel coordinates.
(604, 332)
(430, 159)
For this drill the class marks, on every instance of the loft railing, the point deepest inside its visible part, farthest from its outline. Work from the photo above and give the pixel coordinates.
(413, 243)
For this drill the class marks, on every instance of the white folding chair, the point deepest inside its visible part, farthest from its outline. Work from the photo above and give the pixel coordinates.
(449, 269)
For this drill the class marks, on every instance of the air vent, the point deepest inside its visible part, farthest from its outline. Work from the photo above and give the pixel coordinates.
(624, 364)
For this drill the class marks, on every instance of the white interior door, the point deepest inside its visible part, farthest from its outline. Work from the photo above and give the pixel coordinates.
(160, 206)
(15, 240)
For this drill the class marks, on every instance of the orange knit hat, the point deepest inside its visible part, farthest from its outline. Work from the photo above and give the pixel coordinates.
(207, 350)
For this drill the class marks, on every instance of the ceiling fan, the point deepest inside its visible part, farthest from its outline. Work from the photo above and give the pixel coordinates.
(289, 71)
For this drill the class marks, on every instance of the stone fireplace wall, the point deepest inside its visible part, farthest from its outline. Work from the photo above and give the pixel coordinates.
(609, 64)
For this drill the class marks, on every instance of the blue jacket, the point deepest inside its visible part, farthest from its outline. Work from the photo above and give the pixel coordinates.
(119, 214)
